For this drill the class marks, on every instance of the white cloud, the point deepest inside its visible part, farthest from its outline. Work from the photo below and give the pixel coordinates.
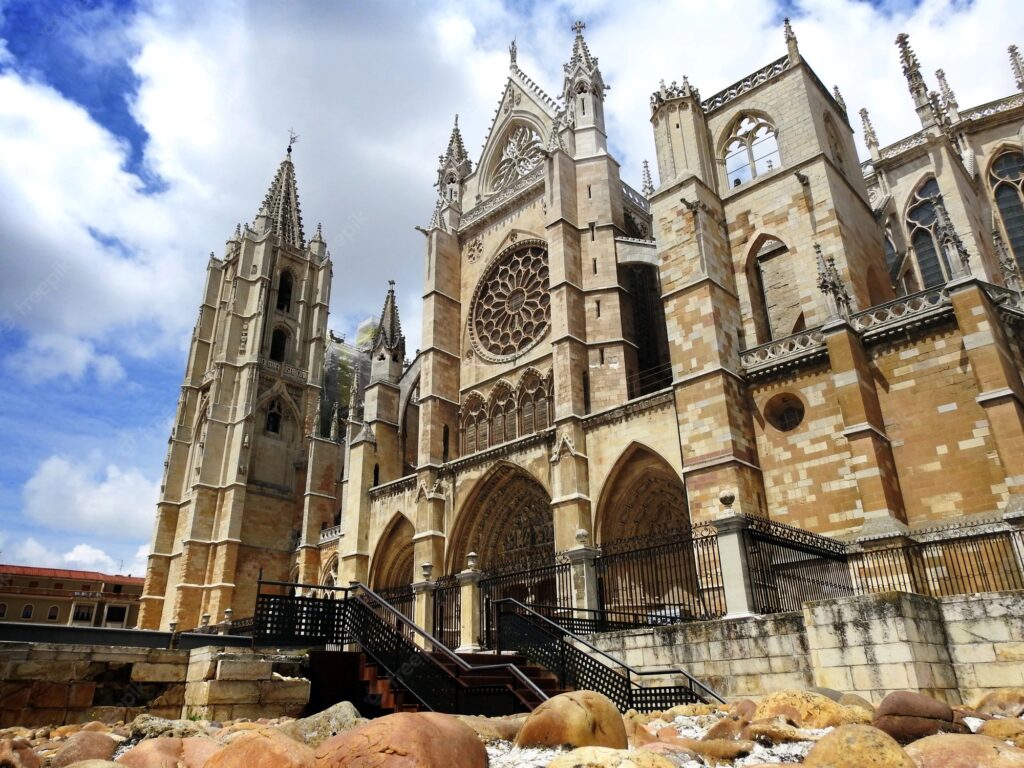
(31, 552)
(104, 500)
(50, 356)
(85, 557)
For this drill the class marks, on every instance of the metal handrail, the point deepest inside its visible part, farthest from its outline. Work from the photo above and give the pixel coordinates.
(576, 639)
(445, 651)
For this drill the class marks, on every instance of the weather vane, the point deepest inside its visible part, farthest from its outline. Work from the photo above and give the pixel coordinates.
(293, 137)
(578, 27)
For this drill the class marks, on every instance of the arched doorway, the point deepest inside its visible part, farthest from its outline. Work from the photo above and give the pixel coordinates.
(507, 522)
(654, 566)
(392, 568)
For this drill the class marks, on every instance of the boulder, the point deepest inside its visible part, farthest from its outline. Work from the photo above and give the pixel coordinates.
(493, 728)
(84, 745)
(744, 708)
(951, 750)
(717, 750)
(265, 748)
(316, 729)
(605, 757)
(170, 752)
(775, 730)
(678, 755)
(857, 746)
(149, 727)
(853, 700)
(853, 715)
(1008, 702)
(908, 716)
(729, 727)
(805, 709)
(1005, 729)
(404, 740)
(577, 718)
(16, 753)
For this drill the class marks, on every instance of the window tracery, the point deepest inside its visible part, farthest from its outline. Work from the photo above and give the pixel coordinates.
(922, 225)
(523, 151)
(1007, 181)
(511, 310)
(752, 150)
(274, 417)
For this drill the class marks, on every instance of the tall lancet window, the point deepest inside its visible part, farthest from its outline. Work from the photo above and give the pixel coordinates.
(284, 292)
(921, 225)
(752, 150)
(1007, 180)
(278, 345)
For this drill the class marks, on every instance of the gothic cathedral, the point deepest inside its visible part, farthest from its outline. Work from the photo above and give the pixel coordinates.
(775, 329)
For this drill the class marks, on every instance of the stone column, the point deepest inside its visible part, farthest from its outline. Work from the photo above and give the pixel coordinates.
(470, 612)
(732, 554)
(584, 577)
(423, 607)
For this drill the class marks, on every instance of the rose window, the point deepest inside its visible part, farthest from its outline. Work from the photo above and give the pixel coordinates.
(521, 154)
(511, 310)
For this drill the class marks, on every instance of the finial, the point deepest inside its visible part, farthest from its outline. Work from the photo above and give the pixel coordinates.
(911, 66)
(791, 46)
(947, 93)
(870, 138)
(1017, 65)
(831, 285)
(391, 285)
(648, 182)
(787, 30)
(950, 242)
(319, 232)
(293, 137)
(839, 98)
(511, 56)
(578, 28)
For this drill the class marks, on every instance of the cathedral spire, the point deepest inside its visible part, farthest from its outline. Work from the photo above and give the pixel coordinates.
(582, 74)
(1017, 65)
(870, 137)
(389, 329)
(648, 182)
(949, 102)
(791, 46)
(280, 212)
(453, 167)
(915, 81)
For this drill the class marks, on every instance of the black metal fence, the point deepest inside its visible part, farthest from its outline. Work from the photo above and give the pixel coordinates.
(662, 578)
(448, 611)
(789, 566)
(992, 561)
(402, 598)
(549, 584)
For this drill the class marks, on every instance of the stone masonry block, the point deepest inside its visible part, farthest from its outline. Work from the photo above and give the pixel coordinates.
(237, 669)
(201, 670)
(158, 673)
(46, 695)
(80, 694)
(229, 692)
(284, 690)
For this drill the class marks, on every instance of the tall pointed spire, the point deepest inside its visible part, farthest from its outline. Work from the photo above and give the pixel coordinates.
(453, 167)
(1017, 65)
(870, 137)
(839, 98)
(915, 81)
(581, 69)
(648, 182)
(389, 329)
(280, 208)
(791, 45)
(949, 102)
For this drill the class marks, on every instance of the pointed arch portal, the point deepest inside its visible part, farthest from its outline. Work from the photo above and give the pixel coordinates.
(507, 520)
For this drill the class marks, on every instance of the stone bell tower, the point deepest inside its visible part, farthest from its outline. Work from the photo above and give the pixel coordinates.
(231, 503)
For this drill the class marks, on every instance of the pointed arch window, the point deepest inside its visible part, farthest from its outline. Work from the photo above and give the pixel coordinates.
(922, 225)
(278, 345)
(475, 427)
(274, 417)
(752, 150)
(1007, 180)
(284, 291)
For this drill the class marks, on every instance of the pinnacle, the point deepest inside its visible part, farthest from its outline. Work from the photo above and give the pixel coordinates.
(389, 329)
(281, 204)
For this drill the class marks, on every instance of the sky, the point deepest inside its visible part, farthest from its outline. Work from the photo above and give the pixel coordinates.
(135, 135)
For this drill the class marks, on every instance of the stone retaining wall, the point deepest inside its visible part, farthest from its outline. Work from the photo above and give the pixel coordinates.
(46, 684)
(952, 648)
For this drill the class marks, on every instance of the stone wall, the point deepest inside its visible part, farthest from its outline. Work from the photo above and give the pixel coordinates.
(50, 684)
(952, 648)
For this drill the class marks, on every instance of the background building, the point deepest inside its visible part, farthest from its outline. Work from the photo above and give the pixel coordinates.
(68, 597)
(831, 345)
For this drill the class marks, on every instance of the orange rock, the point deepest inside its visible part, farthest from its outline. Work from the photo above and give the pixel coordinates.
(170, 752)
(1008, 702)
(404, 740)
(577, 718)
(950, 750)
(804, 708)
(84, 745)
(15, 753)
(857, 746)
(265, 748)
(1005, 729)
(729, 727)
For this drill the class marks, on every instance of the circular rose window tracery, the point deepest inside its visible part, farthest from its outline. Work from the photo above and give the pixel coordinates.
(511, 310)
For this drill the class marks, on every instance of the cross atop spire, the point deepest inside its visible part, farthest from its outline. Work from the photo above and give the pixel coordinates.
(280, 208)
(581, 71)
(578, 28)
(293, 138)
(1017, 65)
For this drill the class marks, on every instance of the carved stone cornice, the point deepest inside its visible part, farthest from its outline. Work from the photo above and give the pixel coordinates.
(500, 201)
(630, 409)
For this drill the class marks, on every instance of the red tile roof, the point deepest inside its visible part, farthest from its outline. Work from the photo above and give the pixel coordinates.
(62, 573)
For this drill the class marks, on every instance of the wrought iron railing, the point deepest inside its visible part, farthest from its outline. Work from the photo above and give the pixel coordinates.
(417, 663)
(579, 664)
(662, 578)
(448, 611)
(549, 584)
(401, 598)
(789, 566)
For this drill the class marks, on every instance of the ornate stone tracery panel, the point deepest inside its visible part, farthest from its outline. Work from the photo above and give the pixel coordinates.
(523, 151)
(511, 309)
